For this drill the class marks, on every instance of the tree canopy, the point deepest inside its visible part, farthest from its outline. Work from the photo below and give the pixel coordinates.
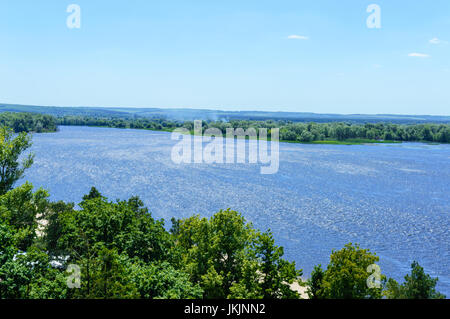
(11, 147)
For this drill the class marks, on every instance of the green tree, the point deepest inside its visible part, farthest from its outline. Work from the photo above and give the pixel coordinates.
(162, 281)
(93, 193)
(30, 275)
(108, 276)
(417, 285)
(215, 246)
(315, 283)
(277, 274)
(7, 252)
(288, 136)
(346, 275)
(11, 147)
(306, 136)
(264, 273)
(125, 225)
(22, 210)
(54, 228)
(230, 259)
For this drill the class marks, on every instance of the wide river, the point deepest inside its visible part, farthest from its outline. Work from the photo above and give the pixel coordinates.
(391, 198)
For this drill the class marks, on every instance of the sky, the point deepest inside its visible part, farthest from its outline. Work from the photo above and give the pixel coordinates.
(301, 56)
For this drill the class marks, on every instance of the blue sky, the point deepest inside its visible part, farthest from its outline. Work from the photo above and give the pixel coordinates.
(305, 56)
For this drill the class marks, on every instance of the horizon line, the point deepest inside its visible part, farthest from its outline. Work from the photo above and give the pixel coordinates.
(219, 110)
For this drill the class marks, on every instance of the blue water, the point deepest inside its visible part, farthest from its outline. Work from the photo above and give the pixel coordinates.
(391, 198)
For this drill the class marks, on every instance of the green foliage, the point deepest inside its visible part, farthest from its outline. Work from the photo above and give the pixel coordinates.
(30, 275)
(315, 283)
(229, 258)
(22, 209)
(105, 276)
(125, 225)
(11, 147)
(123, 252)
(54, 228)
(346, 274)
(163, 281)
(28, 122)
(214, 249)
(276, 273)
(417, 285)
(7, 242)
(306, 136)
(93, 193)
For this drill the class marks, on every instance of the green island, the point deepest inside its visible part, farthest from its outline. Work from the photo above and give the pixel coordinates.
(120, 251)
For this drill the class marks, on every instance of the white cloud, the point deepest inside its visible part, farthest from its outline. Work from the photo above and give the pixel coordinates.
(435, 41)
(419, 55)
(298, 37)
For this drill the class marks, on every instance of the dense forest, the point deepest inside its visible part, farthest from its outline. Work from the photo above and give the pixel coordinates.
(289, 131)
(116, 249)
(28, 122)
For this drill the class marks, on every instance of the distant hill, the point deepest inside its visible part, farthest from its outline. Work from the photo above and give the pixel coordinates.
(183, 114)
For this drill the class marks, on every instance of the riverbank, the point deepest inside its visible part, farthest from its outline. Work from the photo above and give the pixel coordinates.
(351, 141)
(346, 142)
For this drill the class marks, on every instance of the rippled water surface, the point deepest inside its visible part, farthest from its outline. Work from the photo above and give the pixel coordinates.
(393, 199)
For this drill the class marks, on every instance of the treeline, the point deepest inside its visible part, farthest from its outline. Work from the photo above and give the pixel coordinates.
(105, 249)
(289, 131)
(28, 122)
(380, 131)
(134, 123)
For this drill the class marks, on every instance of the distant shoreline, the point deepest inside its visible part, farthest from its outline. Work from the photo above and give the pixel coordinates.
(333, 133)
(347, 142)
(189, 114)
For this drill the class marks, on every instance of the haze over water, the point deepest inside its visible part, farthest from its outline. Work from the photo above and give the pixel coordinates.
(391, 198)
